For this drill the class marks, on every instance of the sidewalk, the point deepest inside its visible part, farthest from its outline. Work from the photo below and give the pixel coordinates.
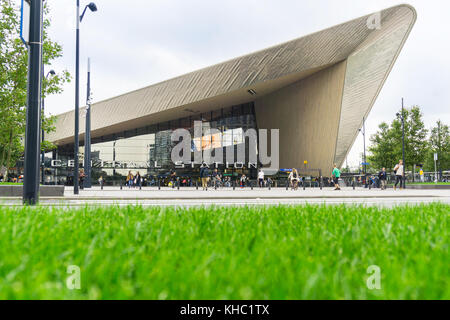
(246, 193)
(189, 197)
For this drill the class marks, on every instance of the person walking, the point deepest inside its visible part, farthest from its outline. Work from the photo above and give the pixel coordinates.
(81, 179)
(130, 178)
(383, 177)
(336, 175)
(261, 178)
(293, 179)
(204, 174)
(216, 178)
(138, 180)
(398, 170)
(243, 180)
(101, 181)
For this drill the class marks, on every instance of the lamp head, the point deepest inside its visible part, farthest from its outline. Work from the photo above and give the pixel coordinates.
(92, 7)
(52, 72)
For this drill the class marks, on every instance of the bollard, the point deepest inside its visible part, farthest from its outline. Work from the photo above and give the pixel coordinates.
(120, 185)
(353, 183)
(178, 184)
(270, 185)
(234, 185)
(101, 185)
(196, 185)
(215, 185)
(251, 185)
(287, 185)
(159, 184)
(304, 185)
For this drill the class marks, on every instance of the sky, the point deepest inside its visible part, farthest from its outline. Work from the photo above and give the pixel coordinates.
(136, 43)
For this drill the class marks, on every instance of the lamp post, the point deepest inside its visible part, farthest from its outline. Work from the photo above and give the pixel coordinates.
(93, 8)
(439, 152)
(51, 72)
(32, 141)
(363, 131)
(402, 117)
(87, 136)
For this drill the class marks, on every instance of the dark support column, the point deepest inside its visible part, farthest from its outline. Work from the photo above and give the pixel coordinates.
(32, 135)
(77, 103)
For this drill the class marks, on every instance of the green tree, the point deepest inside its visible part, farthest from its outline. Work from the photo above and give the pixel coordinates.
(439, 143)
(386, 144)
(382, 149)
(416, 143)
(13, 82)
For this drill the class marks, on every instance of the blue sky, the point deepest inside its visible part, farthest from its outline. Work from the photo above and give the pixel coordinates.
(135, 43)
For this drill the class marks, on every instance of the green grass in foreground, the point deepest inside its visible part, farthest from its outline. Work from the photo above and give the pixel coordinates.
(303, 252)
(10, 184)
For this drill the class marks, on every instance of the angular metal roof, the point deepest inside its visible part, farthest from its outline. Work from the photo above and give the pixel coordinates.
(370, 54)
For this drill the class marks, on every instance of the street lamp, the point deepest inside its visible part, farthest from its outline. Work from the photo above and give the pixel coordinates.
(363, 131)
(87, 135)
(52, 73)
(402, 117)
(93, 8)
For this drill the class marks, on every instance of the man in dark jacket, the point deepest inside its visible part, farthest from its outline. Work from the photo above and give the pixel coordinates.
(383, 177)
(204, 176)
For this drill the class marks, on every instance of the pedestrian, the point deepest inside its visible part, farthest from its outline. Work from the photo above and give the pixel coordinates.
(216, 178)
(130, 178)
(261, 178)
(204, 175)
(173, 177)
(81, 179)
(422, 176)
(293, 179)
(382, 176)
(243, 179)
(398, 170)
(336, 175)
(100, 182)
(138, 180)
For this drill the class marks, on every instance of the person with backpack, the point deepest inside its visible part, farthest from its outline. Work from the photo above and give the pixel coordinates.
(398, 170)
(336, 175)
(383, 177)
(204, 175)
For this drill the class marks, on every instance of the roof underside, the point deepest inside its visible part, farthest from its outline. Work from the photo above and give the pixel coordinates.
(370, 54)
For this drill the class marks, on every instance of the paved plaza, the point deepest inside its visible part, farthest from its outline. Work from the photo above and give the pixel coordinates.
(186, 196)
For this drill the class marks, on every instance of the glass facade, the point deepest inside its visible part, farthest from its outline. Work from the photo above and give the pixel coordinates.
(148, 149)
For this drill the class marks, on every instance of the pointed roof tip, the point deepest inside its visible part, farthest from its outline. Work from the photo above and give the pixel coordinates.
(410, 7)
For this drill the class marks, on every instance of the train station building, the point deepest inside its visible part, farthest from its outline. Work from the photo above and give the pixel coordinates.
(316, 90)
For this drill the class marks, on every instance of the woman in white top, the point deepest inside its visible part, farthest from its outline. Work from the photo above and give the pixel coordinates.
(398, 169)
(293, 178)
(261, 178)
